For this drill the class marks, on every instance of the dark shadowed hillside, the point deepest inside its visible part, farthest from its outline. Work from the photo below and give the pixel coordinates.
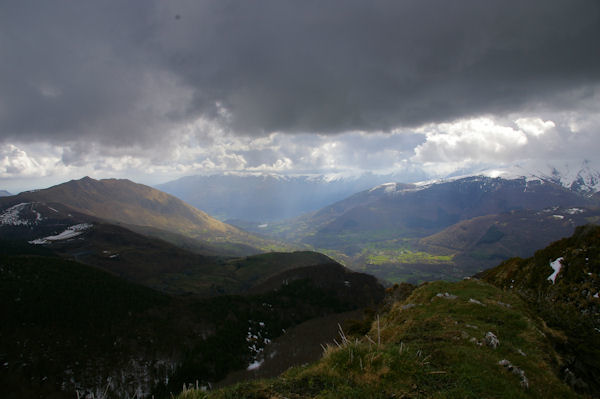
(71, 329)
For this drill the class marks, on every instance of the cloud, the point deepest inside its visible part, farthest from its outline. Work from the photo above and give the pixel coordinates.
(480, 139)
(331, 66)
(130, 74)
(16, 162)
(534, 126)
(468, 145)
(156, 89)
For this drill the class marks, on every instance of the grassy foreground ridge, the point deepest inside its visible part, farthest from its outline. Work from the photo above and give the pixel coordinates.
(446, 340)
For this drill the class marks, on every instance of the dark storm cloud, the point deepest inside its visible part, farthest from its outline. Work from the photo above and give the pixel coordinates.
(126, 72)
(339, 65)
(78, 70)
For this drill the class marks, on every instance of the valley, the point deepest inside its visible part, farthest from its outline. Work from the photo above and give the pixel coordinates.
(445, 230)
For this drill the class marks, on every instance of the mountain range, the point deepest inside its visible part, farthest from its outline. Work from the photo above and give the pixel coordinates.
(262, 198)
(444, 229)
(111, 288)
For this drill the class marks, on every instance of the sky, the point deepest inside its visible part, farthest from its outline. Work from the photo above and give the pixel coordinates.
(154, 90)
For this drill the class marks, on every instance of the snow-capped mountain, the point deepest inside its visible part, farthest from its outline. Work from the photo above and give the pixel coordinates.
(583, 178)
(261, 197)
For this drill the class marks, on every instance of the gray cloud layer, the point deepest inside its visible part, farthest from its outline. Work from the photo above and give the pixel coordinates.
(126, 73)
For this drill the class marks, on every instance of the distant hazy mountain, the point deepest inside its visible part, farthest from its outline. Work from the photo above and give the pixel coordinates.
(4, 193)
(266, 197)
(423, 209)
(141, 208)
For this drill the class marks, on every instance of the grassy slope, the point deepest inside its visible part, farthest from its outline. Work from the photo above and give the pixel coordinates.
(429, 347)
(570, 304)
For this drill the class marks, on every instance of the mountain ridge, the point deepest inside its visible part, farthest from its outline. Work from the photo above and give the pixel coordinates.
(141, 208)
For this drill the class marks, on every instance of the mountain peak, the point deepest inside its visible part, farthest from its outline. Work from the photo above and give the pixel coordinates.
(132, 204)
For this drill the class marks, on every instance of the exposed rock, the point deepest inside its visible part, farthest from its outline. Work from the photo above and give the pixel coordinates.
(475, 301)
(445, 295)
(515, 370)
(506, 305)
(576, 383)
(491, 340)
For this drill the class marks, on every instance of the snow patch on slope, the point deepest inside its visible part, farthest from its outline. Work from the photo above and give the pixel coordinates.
(556, 266)
(12, 216)
(387, 187)
(70, 232)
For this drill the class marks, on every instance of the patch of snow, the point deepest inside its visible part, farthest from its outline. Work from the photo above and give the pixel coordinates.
(556, 266)
(506, 305)
(515, 370)
(11, 216)
(559, 217)
(387, 188)
(574, 211)
(70, 232)
(255, 365)
(52, 209)
(256, 340)
(445, 295)
(263, 226)
(492, 340)
(475, 301)
(596, 295)
(80, 227)
(38, 241)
